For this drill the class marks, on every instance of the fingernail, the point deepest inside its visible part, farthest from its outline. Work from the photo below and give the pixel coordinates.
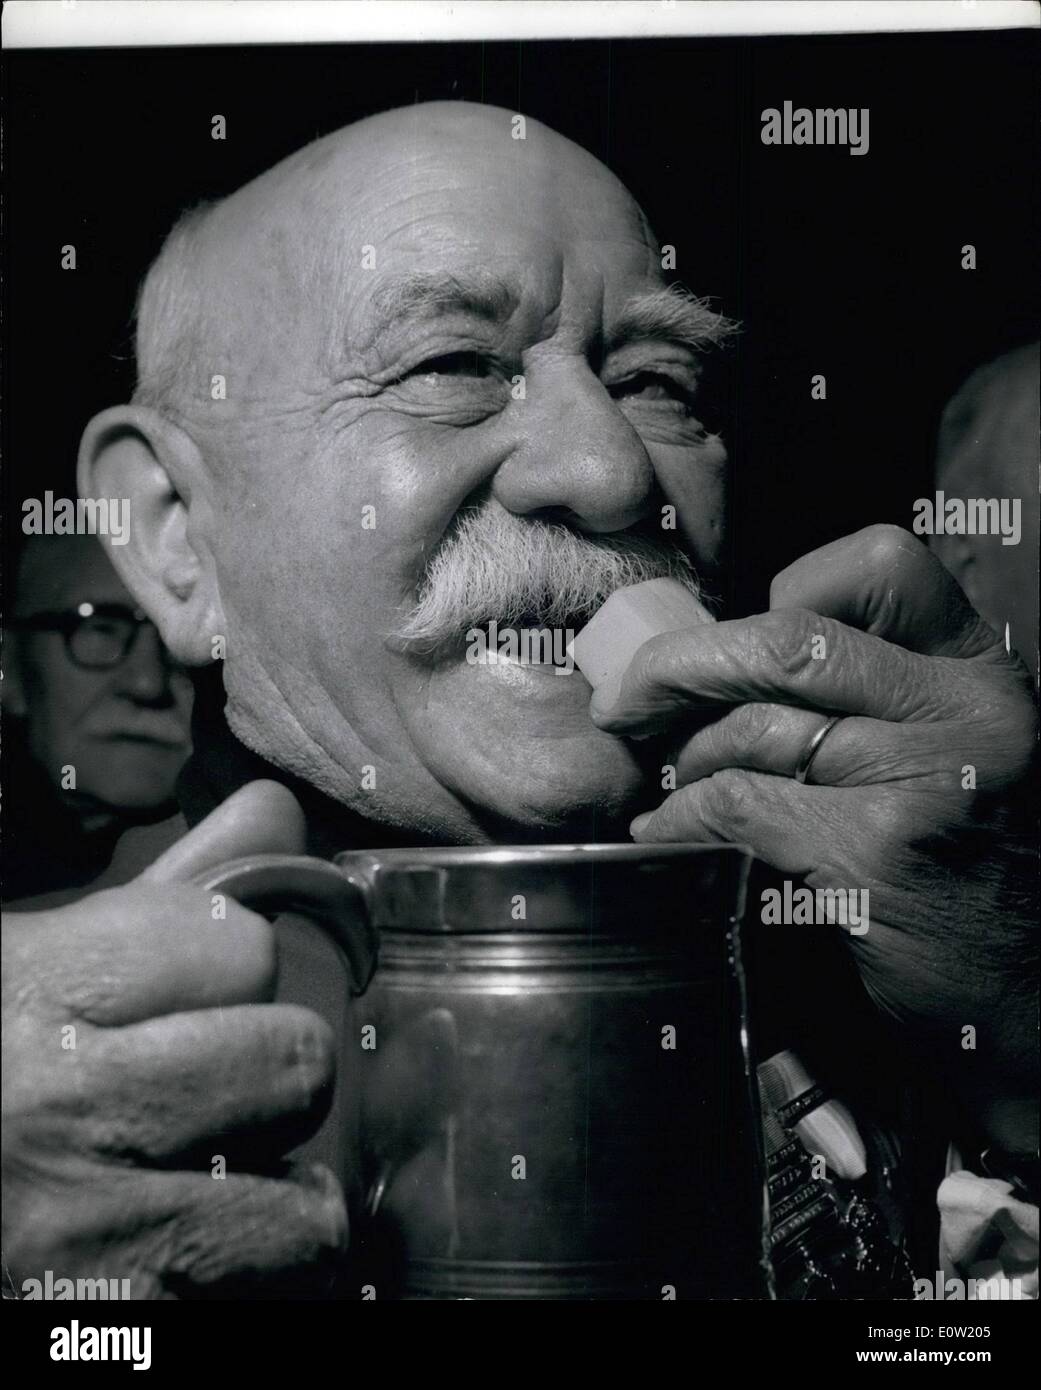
(641, 823)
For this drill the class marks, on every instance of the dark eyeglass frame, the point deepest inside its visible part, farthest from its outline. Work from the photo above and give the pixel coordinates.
(69, 622)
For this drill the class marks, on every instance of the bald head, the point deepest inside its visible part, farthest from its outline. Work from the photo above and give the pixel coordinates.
(437, 308)
(267, 276)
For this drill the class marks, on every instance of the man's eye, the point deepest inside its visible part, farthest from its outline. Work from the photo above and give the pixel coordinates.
(450, 364)
(104, 627)
(652, 386)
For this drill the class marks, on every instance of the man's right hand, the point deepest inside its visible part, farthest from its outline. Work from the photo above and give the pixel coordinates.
(151, 1088)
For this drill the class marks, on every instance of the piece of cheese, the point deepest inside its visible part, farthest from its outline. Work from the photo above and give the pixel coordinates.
(609, 641)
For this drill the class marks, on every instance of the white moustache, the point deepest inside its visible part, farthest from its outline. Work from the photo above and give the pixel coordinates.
(495, 566)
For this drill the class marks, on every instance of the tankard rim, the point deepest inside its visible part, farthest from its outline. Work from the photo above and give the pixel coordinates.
(463, 856)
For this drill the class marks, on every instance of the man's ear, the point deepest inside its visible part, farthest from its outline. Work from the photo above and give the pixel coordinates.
(136, 455)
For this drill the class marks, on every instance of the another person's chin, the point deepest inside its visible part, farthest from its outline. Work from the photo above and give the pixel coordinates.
(517, 745)
(138, 788)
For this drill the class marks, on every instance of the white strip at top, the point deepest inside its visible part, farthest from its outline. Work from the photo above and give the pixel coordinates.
(166, 23)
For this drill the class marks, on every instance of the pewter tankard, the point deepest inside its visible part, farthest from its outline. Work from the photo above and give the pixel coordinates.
(545, 1089)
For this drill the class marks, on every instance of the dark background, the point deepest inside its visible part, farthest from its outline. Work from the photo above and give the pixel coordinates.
(839, 264)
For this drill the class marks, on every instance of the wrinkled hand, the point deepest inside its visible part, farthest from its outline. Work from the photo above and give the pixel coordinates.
(915, 795)
(139, 1045)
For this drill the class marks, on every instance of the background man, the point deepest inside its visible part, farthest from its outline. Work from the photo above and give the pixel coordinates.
(987, 447)
(100, 715)
(407, 271)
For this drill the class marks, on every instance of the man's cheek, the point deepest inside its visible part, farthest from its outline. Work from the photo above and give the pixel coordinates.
(694, 491)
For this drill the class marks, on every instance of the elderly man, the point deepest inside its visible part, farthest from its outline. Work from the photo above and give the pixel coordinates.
(987, 446)
(102, 717)
(418, 376)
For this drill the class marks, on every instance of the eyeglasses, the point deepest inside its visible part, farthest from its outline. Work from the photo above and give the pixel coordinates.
(98, 636)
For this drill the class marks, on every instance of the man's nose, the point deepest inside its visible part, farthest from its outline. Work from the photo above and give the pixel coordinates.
(578, 459)
(144, 674)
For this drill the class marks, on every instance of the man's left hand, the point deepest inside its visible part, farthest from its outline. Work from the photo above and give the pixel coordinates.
(915, 794)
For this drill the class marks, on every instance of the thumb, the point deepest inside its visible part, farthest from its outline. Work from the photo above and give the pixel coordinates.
(260, 818)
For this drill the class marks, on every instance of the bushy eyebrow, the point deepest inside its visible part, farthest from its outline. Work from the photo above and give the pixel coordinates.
(673, 315)
(433, 293)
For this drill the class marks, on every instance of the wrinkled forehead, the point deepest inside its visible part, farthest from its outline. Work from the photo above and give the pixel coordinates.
(554, 293)
(326, 246)
(553, 251)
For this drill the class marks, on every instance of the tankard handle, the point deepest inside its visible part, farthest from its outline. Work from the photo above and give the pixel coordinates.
(274, 883)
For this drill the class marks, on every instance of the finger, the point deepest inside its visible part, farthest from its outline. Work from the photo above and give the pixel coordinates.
(884, 581)
(784, 823)
(253, 1080)
(774, 738)
(248, 1233)
(242, 1233)
(138, 951)
(259, 1234)
(789, 656)
(260, 818)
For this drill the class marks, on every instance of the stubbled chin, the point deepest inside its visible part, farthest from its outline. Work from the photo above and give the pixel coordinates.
(517, 742)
